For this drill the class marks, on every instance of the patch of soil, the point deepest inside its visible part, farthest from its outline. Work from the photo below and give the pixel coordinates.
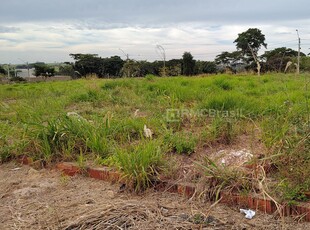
(242, 150)
(45, 199)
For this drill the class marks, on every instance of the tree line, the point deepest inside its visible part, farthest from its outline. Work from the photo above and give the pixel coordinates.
(244, 58)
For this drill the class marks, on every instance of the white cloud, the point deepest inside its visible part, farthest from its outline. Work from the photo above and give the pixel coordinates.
(50, 41)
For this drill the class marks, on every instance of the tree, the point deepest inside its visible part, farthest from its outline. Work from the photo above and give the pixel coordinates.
(277, 59)
(305, 63)
(249, 43)
(209, 67)
(112, 66)
(174, 67)
(131, 69)
(92, 64)
(188, 64)
(88, 64)
(41, 69)
(147, 68)
(202, 67)
(230, 60)
(2, 70)
(253, 38)
(66, 69)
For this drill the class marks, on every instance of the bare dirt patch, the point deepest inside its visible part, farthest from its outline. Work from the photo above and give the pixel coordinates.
(45, 199)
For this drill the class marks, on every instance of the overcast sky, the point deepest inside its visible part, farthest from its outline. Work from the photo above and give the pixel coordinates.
(49, 30)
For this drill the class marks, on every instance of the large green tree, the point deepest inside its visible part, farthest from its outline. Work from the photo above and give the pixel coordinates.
(112, 66)
(88, 64)
(188, 64)
(41, 69)
(93, 64)
(250, 41)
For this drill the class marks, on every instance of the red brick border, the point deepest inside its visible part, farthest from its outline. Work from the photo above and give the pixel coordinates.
(69, 169)
(187, 190)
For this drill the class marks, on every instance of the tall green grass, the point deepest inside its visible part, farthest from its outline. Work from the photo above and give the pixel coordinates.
(141, 164)
(33, 120)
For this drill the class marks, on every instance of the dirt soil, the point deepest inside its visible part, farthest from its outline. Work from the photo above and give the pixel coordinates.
(45, 199)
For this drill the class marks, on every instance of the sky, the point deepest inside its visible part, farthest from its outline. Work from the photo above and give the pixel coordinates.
(49, 30)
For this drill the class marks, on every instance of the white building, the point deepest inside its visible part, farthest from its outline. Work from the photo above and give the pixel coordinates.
(24, 73)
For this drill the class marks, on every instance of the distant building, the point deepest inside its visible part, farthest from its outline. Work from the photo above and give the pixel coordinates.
(24, 73)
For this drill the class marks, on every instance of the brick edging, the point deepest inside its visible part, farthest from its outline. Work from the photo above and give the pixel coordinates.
(232, 199)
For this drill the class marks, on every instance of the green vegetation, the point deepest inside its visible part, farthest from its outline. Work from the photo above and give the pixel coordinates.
(103, 120)
(139, 164)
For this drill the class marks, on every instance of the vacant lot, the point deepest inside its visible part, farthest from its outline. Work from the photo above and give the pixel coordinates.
(242, 133)
(44, 199)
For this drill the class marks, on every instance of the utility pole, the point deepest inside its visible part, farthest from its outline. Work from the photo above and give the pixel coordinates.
(298, 58)
(162, 52)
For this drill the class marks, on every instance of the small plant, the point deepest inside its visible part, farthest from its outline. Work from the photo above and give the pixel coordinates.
(223, 84)
(110, 85)
(291, 193)
(149, 77)
(140, 165)
(184, 83)
(5, 153)
(181, 143)
(221, 177)
(64, 179)
(221, 130)
(61, 137)
(81, 161)
(91, 96)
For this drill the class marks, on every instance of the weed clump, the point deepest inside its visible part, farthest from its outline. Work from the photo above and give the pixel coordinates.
(223, 84)
(140, 165)
(221, 178)
(221, 130)
(181, 143)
